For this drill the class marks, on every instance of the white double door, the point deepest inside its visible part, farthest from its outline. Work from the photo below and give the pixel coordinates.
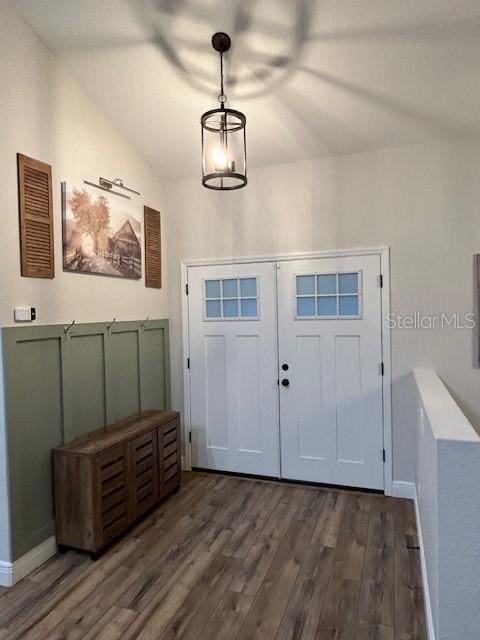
(285, 369)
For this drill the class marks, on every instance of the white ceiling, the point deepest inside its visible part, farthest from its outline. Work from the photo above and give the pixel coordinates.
(314, 77)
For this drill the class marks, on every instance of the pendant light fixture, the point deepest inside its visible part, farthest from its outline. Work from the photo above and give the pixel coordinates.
(224, 162)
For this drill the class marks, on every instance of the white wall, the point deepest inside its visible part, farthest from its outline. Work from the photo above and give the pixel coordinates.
(422, 201)
(448, 500)
(45, 114)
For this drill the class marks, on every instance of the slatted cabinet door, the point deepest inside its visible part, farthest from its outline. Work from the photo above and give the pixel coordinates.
(112, 471)
(169, 457)
(144, 459)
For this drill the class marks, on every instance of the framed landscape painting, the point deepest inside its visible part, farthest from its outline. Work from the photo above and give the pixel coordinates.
(102, 232)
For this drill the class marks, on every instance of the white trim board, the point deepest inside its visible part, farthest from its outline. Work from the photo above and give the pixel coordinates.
(280, 257)
(401, 489)
(408, 490)
(12, 572)
(384, 253)
(427, 603)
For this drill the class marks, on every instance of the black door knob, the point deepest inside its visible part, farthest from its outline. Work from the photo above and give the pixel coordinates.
(285, 382)
(285, 367)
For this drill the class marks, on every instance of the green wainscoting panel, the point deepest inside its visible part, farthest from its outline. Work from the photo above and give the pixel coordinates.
(124, 378)
(61, 384)
(155, 358)
(84, 384)
(38, 395)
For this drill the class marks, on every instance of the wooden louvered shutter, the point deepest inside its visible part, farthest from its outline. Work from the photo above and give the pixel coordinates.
(153, 250)
(36, 218)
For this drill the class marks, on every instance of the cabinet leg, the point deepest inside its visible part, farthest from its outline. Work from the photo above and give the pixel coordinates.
(61, 548)
(95, 555)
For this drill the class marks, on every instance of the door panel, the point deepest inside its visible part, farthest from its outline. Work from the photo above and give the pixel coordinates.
(215, 349)
(248, 386)
(310, 397)
(331, 423)
(233, 368)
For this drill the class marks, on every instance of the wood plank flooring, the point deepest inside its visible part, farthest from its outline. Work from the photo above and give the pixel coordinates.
(236, 559)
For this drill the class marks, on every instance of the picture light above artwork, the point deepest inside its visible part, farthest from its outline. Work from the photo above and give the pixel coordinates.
(107, 185)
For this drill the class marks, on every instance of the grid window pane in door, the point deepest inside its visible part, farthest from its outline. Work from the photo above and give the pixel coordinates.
(327, 283)
(305, 285)
(328, 295)
(231, 299)
(348, 283)
(212, 289)
(214, 309)
(230, 308)
(249, 308)
(306, 307)
(348, 306)
(230, 288)
(327, 306)
(248, 287)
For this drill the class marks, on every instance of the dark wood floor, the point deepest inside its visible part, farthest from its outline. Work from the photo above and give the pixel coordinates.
(231, 558)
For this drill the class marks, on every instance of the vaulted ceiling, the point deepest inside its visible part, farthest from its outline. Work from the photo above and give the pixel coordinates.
(314, 77)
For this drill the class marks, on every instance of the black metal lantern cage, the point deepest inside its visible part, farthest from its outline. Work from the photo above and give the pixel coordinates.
(224, 160)
(224, 149)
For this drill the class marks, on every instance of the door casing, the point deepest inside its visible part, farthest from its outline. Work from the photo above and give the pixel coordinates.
(384, 254)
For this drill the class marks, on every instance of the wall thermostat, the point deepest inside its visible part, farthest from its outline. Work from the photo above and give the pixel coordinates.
(25, 314)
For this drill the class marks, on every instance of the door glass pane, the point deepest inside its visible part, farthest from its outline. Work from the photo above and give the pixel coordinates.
(348, 282)
(306, 307)
(248, 287)
(327, 283)
(230, 308)
(230, 288)
(348, 306)
(249, 308)
(213, 309)
(327, 306)
(305, 286)
(212, 289)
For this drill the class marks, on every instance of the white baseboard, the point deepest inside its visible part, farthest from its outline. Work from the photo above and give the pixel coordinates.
(401, 489)
(408, 490)
(12, 572)
(6, 574)
(423, 561)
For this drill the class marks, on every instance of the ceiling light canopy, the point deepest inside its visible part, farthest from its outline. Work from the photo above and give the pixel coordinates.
(224, 162)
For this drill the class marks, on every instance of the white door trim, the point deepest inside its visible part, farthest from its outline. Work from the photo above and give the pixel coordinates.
(384, 253)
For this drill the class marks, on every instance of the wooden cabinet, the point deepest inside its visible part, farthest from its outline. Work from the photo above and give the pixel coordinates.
(145, 462)
(106, 480)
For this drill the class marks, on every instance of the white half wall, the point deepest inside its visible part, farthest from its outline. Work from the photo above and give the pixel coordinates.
(448, 510)
(422, 201)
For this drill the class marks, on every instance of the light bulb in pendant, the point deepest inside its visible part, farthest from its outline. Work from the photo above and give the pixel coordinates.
(219, 158)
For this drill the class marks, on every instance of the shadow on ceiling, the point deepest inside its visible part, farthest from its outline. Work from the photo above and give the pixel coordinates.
(266, 46)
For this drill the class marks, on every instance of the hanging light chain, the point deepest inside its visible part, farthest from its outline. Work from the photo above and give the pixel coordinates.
(222, 98)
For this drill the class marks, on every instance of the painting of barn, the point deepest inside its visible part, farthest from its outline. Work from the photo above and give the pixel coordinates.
(102, 233)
